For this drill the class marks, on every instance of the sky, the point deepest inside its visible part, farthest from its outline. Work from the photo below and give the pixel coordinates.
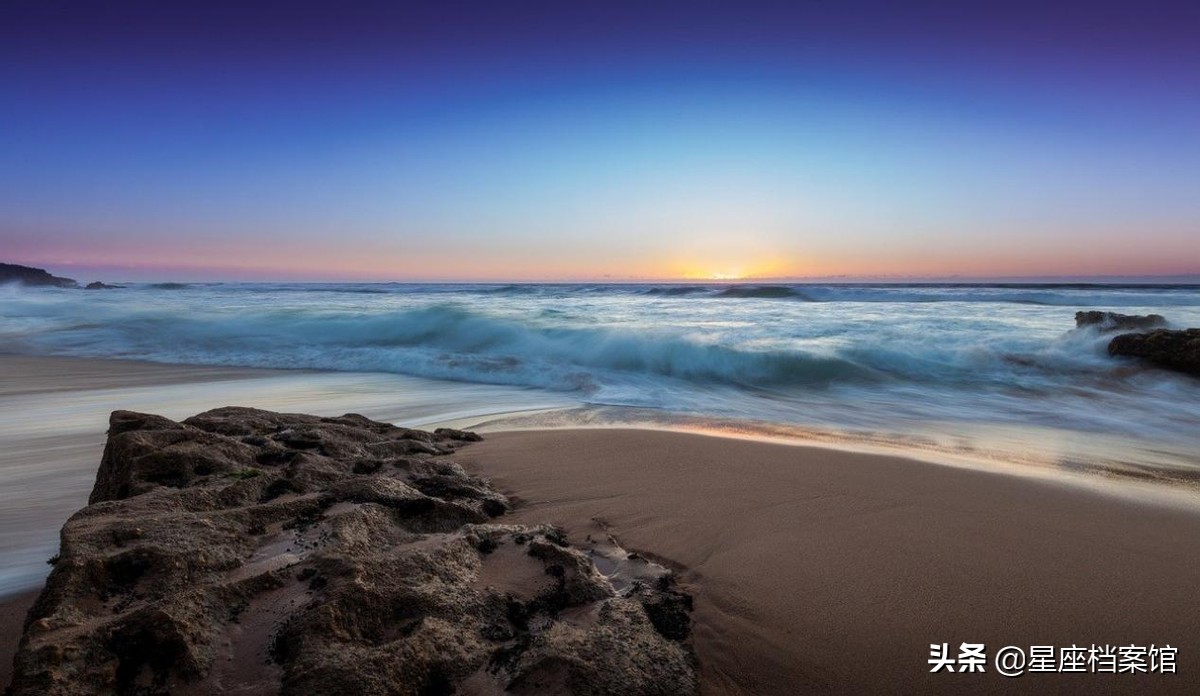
(499, 141)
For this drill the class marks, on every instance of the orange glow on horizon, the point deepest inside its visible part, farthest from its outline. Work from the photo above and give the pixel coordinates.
(725, 270)
(723, 260)
(381, 268)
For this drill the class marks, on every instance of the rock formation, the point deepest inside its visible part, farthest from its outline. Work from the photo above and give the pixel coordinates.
(1111, 321)
(249, 552)
(27, 275)
(97, 285)
(1173, 350)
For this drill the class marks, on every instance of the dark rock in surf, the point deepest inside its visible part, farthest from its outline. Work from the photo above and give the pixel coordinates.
(97, 285)
(1111, 321)
(460, 435)
(1173, 350)
(244, 551)
(33, 277)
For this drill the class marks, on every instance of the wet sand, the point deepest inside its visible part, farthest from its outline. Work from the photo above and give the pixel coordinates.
(827, 571)
(24, 374)
(12, 617)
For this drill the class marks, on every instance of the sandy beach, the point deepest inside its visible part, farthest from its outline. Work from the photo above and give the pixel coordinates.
(12, 617)
(832, 572)
(815, 570)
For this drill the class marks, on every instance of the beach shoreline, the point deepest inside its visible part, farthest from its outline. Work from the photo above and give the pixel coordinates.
(824, 570)
(55, 412)
(807, 561)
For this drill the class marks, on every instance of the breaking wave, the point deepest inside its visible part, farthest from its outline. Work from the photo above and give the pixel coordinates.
(440, 341)
(766, 292)
(677, 290)
(866, 355)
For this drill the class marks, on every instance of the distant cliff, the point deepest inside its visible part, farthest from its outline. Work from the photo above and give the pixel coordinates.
(26, 275)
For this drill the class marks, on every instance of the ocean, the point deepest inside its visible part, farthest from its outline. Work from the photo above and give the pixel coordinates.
(991, 371)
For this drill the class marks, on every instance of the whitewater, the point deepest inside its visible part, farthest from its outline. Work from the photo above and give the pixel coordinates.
(999, 370)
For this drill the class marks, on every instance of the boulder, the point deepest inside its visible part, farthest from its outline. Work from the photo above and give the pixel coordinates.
(244, 551)
(1173, 350)
(1111, 321)
(36, 277)
(97, 285)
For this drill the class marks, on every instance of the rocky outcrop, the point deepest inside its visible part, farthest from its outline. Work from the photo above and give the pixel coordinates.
(1173, 350)
(1111, 321)
(246, 552)
(97, 285)
(27, 275)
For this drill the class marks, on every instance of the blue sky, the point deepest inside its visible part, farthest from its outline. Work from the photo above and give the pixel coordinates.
(547, 141)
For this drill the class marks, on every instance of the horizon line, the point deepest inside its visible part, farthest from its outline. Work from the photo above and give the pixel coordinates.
(1174, 279)
(203, 274)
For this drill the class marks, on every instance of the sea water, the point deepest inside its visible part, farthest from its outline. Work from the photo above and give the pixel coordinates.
(994, 369)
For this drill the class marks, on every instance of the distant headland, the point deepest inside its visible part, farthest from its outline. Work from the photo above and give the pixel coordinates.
(40, 277)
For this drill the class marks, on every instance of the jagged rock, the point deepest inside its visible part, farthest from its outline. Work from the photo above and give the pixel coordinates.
(27, 275)
(453, 434)
(97, 285)
(1173, 350)
(244, 551)
(1111, 321)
